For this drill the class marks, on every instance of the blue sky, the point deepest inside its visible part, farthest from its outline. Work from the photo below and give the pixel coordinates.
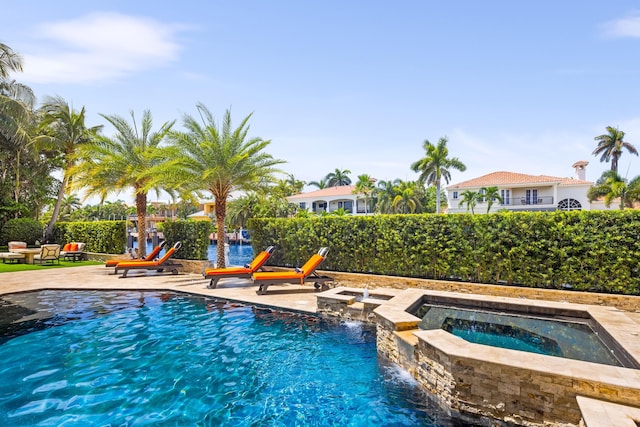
(520, 86)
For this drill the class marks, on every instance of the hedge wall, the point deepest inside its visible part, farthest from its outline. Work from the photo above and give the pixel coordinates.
(583, 250)
(108, 237)
(194, 236)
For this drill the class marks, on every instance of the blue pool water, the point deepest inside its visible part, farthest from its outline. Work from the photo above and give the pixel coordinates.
(568, 339)
(165, 359)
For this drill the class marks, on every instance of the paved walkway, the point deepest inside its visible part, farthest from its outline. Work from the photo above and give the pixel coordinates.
(290, 297)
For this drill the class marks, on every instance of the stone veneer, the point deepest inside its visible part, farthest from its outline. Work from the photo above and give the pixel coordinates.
(507, 385)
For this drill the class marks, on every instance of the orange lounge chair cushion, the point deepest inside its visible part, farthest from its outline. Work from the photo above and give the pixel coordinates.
(277, 275)
(74, 247)
(150, 257)
(143, 264)
(301, 273)
(66, 247)
(253, 266)
(259, 260)
(226, 271)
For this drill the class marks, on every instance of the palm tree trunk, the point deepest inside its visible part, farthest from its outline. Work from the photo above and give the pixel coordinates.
(438, 196)
(141, 209)
(221, 210)
(56, 210)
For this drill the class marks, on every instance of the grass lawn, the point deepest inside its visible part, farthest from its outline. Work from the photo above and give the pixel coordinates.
(7, 268)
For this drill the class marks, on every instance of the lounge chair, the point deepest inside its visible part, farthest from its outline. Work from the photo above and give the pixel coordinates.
(306, 273)
(215, 274)
(48, 253)
(73, 250)
(151, 257)
(159, 265)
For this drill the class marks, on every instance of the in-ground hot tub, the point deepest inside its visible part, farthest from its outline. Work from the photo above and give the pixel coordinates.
(450, 355)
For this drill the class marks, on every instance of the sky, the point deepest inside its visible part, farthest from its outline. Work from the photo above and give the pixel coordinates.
(520, 86)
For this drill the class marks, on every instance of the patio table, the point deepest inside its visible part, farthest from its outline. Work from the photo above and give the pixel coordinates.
(29, 254)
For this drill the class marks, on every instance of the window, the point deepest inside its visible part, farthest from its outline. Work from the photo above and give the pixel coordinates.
(531, 196)
(303, 205)
(506, 197)
(569, 205)
(455, 195)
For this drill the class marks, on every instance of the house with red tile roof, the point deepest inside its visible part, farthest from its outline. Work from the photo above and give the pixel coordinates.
(331, 199)
(522, 192)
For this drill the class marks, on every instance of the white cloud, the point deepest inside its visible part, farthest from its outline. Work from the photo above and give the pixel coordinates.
(624, 27)
(98, 47)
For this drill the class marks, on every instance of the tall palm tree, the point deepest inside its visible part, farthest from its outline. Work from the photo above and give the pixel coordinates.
(470, 198)
(364, 186)
(338, 178)
(490, 194)
(16, 119)
(610, 147)
(220, 160)
(64, 130)
(127, 160)
(435, 166)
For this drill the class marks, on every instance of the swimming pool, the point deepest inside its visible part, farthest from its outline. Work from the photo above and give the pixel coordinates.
(158, 358)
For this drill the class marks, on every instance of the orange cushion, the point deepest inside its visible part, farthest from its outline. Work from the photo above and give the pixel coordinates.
(67, 247)
(228, 270)
(141, 264)
(277, 275)
(259, 260)
(74, 247)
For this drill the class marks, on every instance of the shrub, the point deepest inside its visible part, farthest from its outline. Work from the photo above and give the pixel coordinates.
(584, 250)
(194, 236)
(23, 230)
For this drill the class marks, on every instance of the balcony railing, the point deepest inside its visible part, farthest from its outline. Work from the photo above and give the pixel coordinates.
(524, 201)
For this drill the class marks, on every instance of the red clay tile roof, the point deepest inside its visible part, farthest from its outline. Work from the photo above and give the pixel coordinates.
(501, 179)
(343, 190)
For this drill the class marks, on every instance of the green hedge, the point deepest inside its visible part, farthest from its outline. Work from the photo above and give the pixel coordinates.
(194, 236)
(108, 237)
(21, 230)
(585, 250)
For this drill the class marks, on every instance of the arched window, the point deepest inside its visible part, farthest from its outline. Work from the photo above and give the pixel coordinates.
(569, 205)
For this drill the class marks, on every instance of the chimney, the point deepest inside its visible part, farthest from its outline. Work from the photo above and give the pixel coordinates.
(580, 166)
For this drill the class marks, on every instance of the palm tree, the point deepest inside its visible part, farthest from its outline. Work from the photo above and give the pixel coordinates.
(435, 166)
(364, 186)
(127, 160)
(70, 204)
(64, 130)
(408, 197)
(490, 194)
(338, 178)
(221, 160)
(610, 147)
(322, 184)
(16, 119)
(470, 198)
(611, 186)
(385, 194)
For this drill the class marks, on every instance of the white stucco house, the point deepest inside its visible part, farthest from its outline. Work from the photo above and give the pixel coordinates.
(522, 192)
(331, 199)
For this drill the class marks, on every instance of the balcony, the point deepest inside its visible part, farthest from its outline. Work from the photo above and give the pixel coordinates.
(524, 201)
